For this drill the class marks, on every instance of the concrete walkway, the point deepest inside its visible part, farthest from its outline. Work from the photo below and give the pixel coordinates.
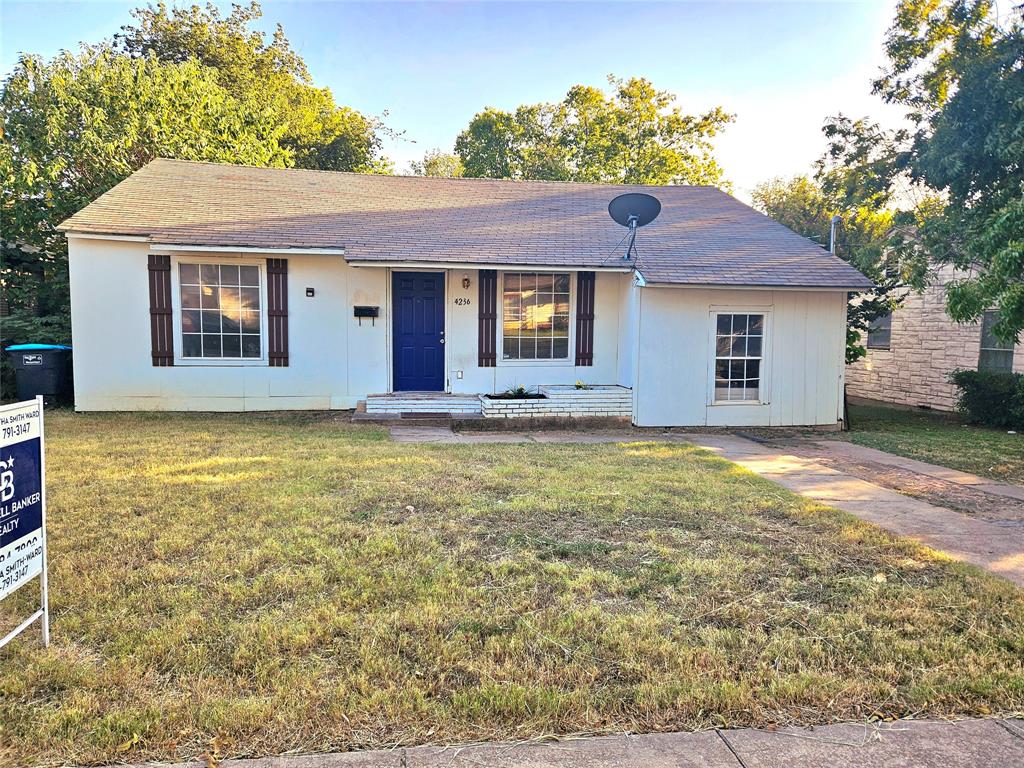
(997, 545)
(902, 744)
(812, 468)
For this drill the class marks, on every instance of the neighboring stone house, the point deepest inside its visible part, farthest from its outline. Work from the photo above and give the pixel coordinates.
(912, 352)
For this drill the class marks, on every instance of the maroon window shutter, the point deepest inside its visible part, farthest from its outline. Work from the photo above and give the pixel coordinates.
(161, 328)
(488, 330)
(277, 311)
(585, 318)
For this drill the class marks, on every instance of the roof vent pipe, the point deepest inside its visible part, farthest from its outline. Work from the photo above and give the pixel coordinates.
(836, 221)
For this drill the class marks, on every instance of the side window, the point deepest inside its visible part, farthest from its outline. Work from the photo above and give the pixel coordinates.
(739, 351)
(880, 332)
(996, 355)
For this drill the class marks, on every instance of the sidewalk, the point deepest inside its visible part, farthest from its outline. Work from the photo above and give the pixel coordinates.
(902, 744)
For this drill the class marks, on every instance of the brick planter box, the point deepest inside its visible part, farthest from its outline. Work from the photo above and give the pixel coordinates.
(564, 401)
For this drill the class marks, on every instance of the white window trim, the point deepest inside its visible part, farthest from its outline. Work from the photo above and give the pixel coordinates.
(567, 362)
(763, 390)
(218, 362)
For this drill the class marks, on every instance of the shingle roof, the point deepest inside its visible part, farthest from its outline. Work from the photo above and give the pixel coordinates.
(703, 236)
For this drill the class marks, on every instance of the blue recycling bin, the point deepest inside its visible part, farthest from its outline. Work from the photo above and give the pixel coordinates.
(41, 369)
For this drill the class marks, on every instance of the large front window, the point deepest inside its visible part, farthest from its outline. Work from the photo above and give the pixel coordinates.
(221, 311)
(535, 316)
(739, 352)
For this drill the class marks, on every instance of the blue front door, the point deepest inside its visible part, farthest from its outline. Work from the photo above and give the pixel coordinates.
(418, 330)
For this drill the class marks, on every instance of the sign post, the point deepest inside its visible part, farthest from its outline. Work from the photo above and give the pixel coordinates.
(23, 507)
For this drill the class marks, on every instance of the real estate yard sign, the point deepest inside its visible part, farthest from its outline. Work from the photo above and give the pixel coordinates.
(23, 507)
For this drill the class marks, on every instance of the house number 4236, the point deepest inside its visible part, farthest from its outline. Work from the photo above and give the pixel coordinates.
(462, 302)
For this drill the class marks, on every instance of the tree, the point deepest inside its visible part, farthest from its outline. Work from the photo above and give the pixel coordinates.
(76, 126)
(188, 85)
(959, 70)
(634, 136)
(862, 239)
(439, 164)
(319, 133)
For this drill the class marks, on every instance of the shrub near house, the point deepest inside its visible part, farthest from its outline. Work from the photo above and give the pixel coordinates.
(990, 398)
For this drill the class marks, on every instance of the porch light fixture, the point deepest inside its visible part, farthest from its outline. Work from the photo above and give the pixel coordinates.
(465, 282)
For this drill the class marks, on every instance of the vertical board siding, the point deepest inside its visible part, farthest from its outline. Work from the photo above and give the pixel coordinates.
(277, 312)
(487, 333)
(585, 318)
(803, 367)
(160, 319)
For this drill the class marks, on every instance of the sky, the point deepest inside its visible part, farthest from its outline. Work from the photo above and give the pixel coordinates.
(427, 68)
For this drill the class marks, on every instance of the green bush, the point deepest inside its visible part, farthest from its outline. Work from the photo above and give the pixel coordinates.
(989, 398)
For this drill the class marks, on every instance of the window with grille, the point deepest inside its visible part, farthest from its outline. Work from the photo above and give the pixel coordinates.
(535, 315)
(221, 311)
(739, 354)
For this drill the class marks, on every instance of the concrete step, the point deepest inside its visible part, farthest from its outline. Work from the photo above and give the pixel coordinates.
(434, 403)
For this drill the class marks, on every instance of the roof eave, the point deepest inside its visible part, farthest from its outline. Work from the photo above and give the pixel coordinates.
(500, 265)
(758, 286)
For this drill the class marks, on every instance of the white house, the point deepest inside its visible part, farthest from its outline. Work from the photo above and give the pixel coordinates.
(199, 286)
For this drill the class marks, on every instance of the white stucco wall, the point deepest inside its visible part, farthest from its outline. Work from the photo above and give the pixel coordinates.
(462, 341)
(111, 339)
(333, 360)
(802, 377)
(655, 340)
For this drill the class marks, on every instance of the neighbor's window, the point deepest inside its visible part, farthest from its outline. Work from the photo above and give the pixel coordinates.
(739, 347)
(996, 355)
(535, 316)
(220, 311)
(880, 332)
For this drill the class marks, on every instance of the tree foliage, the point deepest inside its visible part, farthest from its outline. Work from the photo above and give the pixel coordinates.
(76, 126)
(187, 84)
(958, 68)
(438, 164)
(636, 135)
(862, 239)
(950, 188)
(318, 133)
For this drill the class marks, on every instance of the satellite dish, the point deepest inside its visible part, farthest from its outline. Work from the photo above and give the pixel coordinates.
(632, 210)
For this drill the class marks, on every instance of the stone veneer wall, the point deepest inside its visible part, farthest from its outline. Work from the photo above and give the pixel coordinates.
(925, 347)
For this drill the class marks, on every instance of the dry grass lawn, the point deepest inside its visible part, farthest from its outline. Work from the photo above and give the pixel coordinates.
(940, 438)
(251, 585)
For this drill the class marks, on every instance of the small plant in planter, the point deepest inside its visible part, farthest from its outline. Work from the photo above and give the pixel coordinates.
(517, 392)
(582, 385)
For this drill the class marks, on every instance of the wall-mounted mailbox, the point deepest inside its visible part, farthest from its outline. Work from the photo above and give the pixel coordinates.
(362, 311)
